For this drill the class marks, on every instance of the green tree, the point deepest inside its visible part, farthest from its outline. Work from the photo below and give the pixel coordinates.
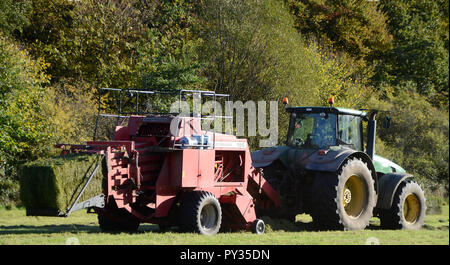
(21, 80)
(420, 52)
(253, 51)
(22, 126)
(46, 36)
(104, 41)
(417, 139)
(13, 15)
(167, 57)
(88, 40)
(356, 27)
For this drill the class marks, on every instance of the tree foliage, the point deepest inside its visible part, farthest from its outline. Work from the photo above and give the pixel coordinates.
(21, 123)
(254, 52)
(417, 138)
(420, 52)
(54, 55)
(167, 53)
(356, 27)
(14, 15)
(46, 34)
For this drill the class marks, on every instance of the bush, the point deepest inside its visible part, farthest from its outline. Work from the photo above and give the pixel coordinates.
(9, 191)
(22, 127)
(417, 139)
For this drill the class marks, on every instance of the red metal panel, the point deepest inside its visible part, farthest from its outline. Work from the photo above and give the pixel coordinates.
(185, 168)
(165, 190)
(206, 168)
(246, 207)
(122, 133)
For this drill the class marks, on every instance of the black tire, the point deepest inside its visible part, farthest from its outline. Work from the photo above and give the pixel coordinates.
(345, 201)
(258, 227)
(117, 220)
(408, 208)
(200, 212)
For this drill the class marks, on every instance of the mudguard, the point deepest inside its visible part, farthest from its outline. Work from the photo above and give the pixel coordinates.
(311, 160)
(265, 157)
(388, 185)
(330, 162)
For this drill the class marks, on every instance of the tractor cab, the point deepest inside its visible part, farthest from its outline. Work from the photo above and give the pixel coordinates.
(338, 129)
(324, 127)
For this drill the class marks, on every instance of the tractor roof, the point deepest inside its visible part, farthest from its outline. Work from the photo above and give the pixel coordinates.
(327, 110)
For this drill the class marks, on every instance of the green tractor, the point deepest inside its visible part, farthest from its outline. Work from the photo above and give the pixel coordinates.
(324, 170)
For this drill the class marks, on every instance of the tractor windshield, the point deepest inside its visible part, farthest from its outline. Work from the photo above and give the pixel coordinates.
(312, 130)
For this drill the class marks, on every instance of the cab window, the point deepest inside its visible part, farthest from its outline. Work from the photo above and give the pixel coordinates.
(349, 131)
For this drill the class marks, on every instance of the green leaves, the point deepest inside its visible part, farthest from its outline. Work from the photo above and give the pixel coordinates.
(417, 138)
(356, 27)
(254, 50)
(420, 52)
(21, 81)
(13, 15)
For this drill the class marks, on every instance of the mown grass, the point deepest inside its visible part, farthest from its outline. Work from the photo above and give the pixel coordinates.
(17, 228)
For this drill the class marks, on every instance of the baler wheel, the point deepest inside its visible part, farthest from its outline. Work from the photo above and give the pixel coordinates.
(200, 212)
(408, 208)
(258, 226)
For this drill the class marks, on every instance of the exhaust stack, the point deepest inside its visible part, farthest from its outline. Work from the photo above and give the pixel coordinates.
(372, 130)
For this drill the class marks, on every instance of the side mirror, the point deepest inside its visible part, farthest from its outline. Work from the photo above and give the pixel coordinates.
(387, 122)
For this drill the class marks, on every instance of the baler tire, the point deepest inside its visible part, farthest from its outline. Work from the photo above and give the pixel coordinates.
(258, 227)
(200, 212)
(332, 210)
(408, 193)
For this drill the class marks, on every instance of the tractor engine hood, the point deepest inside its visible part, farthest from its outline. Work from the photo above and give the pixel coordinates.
(386, 166)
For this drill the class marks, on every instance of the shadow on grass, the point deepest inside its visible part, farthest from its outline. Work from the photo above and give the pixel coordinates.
(272, 225)
(68, 228)
(47, 229)
(276, 225)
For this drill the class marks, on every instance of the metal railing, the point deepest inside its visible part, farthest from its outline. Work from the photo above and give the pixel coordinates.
(133, 102)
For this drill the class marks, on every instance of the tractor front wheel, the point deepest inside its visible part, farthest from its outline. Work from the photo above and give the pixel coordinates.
(344, 201)
(408, 208)
(200, 212)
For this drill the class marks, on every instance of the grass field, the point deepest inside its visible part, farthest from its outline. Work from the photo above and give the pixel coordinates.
(18, 229)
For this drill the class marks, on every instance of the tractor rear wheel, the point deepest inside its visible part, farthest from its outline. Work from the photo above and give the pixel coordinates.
(345, 201)
(200, 212)
(408, 208)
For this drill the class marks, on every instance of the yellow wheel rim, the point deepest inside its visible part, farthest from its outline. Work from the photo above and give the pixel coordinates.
(411, 208)
(354, 196)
